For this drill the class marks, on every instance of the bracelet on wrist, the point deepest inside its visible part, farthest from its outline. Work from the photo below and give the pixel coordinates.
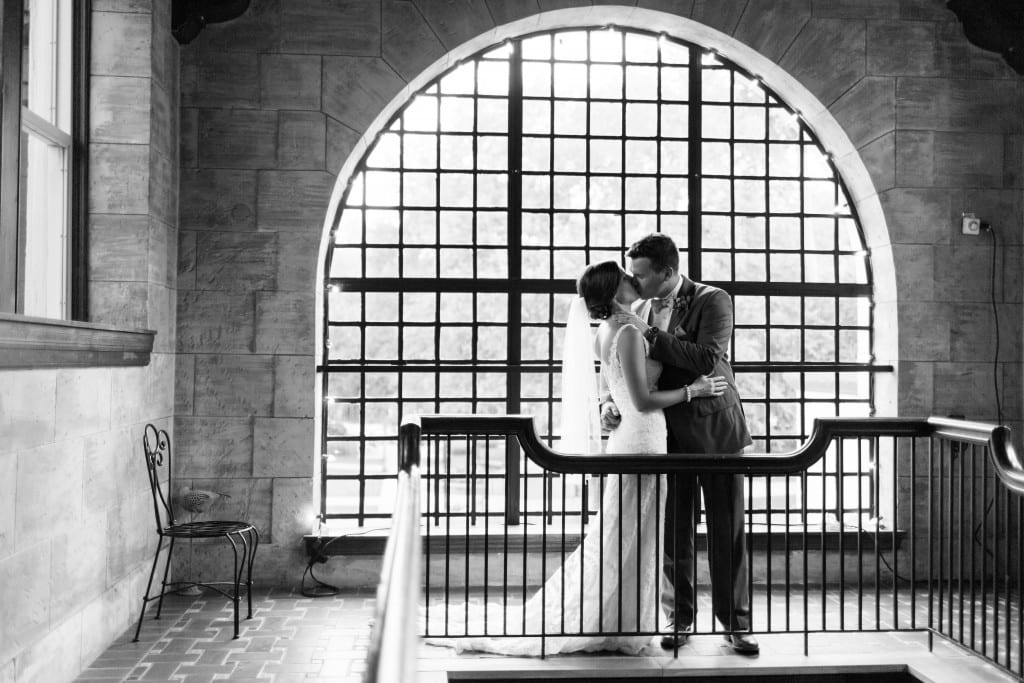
(688, 396)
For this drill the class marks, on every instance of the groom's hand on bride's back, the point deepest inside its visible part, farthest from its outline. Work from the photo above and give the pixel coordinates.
(610, 417)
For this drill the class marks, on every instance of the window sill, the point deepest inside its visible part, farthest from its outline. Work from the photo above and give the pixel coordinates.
(27, 343)
(761, 539)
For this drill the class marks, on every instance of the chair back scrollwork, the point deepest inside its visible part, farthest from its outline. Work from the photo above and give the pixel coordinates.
(156, 445)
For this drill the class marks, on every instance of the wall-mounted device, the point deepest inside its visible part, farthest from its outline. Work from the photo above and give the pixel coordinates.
(970, 224)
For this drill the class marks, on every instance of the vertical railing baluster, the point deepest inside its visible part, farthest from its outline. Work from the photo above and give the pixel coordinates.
(565, 485)
(995, 568)
(942, 540)
(823, 540)
(447, 534)
(876, 499)
(639, 545)
(949, 583)
(804, 535)
(1020, 585)
(913, 533)
(961, 449)
(470, 518)
(618, 563)
(504, 553)
(768, 554)
(786, 542)
(584, 504)
(974, 560)
(841, 517)
(892, 533)
(549, 494)
(487, 525)
(514, 479)
(1006, 571)
(748, 522)
(659, 536)
(931, 541)
(426, 544)
(984, 558)
(471, 479)
(600, 556)
(526, 539)
(860, 537)
(543, 517)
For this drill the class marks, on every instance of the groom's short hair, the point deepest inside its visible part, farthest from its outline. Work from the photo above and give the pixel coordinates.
(659, 249)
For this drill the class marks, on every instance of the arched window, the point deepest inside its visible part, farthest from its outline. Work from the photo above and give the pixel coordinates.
(455, 253)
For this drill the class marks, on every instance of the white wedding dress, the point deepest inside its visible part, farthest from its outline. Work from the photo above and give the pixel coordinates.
(592, 570)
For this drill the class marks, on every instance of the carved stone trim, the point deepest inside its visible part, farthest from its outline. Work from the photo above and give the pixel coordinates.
(27, 342)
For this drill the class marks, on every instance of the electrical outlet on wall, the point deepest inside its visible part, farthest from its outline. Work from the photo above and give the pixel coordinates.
(970, 224)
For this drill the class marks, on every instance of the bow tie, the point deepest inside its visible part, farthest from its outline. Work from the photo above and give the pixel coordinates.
(676, 303)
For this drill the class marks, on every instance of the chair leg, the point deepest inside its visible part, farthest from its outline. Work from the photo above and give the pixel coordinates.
(237, 579)
(252, 556)
(163, 583)
(145, 597)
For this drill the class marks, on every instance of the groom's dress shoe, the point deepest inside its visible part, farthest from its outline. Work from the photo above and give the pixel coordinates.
(672, 640)
(743, 643)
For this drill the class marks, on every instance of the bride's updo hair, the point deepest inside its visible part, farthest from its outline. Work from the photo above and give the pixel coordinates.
(598, 286)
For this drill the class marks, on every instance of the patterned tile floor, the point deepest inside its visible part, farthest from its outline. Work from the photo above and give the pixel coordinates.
(295, 638)
(290, 638)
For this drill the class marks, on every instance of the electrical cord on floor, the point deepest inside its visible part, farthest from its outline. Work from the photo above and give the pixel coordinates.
(319, 588)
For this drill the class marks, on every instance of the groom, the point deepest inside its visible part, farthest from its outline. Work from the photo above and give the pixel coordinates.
(689, 326)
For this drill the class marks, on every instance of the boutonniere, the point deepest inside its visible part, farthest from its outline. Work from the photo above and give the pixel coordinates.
(676, 303)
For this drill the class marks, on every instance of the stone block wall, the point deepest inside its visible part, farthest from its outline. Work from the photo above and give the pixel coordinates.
(272, 104)
(76, 518)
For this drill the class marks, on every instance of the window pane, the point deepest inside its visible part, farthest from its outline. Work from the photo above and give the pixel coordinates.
(606, 158)
(45, 228)
(41, 279)
(46, 68)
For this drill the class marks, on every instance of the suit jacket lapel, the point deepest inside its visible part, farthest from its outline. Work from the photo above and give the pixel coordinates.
(676, 319)
(680, 316)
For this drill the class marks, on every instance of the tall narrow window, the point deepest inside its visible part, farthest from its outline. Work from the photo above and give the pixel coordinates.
(42, 44)
(455, 254)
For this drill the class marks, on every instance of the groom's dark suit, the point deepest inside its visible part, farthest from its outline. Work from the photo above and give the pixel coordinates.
(695, 344)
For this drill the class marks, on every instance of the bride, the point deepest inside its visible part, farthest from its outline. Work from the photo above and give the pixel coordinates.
(612, 581)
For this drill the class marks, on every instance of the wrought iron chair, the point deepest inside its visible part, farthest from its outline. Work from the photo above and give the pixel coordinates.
(242, 536)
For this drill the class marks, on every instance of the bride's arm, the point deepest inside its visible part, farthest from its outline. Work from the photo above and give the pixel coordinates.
(632, 354)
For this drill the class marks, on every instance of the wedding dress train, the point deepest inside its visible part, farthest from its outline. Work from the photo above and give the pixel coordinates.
(599, 597)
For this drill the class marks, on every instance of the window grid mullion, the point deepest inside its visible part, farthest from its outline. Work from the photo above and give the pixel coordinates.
(515, 225)
(695, 139)
(515, 287)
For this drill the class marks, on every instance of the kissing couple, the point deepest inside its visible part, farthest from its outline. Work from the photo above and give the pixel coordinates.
(665, 387)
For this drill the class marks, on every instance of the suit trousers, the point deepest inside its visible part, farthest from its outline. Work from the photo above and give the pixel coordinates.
(727, 549)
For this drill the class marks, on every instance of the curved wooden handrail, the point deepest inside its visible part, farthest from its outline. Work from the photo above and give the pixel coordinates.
(997, 437)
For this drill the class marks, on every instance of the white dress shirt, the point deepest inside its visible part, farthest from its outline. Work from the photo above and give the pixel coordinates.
(661, 318)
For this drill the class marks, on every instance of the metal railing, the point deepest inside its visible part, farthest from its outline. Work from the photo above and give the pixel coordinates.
(391, 655)
(939, 550)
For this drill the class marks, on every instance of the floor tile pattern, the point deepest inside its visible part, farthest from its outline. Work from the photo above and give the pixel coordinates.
(294, 638)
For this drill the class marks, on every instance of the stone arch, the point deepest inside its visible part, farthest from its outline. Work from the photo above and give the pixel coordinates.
(811, 106)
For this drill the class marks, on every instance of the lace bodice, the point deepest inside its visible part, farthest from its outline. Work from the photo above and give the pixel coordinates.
(639, 431)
